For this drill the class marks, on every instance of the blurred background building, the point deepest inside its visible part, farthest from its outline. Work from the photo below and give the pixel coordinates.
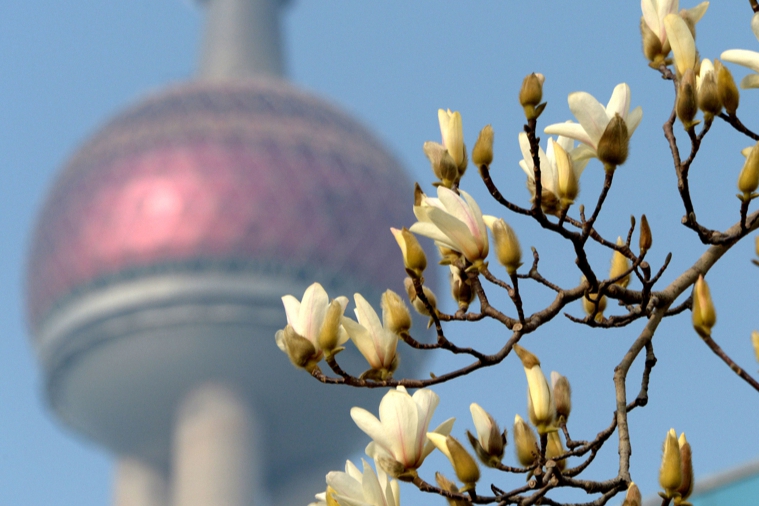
(159, 259)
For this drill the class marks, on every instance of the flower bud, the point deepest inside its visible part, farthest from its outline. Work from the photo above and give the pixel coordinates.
(620, 264)
(507, 246)
(414, 258)
(449, 486)
(300, 350)
(652, 48)
(329, 333)
(447, 255)
(708, 96)
(554, 449)
(562, 395)
(490, 442)
(704, 316)
(395, 315)
(633, 497)
(482, 154)
(419, 306)
(592, 304)
(466, 468)
(441, 162)
(646, 239)
(568, 186)
(686, 468)
(452, 132)
(531, 94)
(670, 474)
(748, 180)
(461, 290)
(539, 400)
(686, 104)
(525, 442)
(728, 93)
(755, 343)
(614, 143)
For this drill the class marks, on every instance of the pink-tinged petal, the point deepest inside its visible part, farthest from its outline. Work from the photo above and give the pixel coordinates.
(292, 309)
(480, 232)
(681, 40)
(363, 340)
(750, 81)
(426, 401)
(373, 428)
(590, 113)
(743, 57)
(429, 229)
(571, 130)
(633, 120)
(398, 414)
(458, 233)
(371, 486)
(456, 206)
(445, 429)
(619, 103)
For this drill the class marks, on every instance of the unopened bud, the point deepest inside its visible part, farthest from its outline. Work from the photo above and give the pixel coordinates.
(686, 104)
(465, 466)
(562, 395)
(704, 315)
(525, 442)
(449, 486)
(447, 255)
(414, 258)
(301, 352)
(646, 239)
(461, 290)
(652, 48)
(755, 343)
(507, 247)
(482, 154)
(554, 449)
(329, 334)
(670, 474)
(453, 134)
(633, 496)
(531, 94)
(569, 186)
(490, 442)
(748, 180)
(620, 264)
(441, 162)
(419, 306)
(395, 314)
(708, 95)
(686, 468)
(728, 93)
(591, 304)
(614, 143)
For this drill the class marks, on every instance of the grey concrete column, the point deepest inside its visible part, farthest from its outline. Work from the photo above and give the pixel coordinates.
(214, 459)
(243, 39)
(139, 484)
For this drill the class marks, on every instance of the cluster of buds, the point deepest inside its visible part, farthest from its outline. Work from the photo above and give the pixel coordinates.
(676, 473)
(448, 160)
(657, 40)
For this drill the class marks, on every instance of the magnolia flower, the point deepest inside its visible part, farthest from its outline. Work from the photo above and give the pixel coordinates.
(453, 221)
(400, 434)
(594, 119)
(375, 342)
(307, 321)
(654, 15)
(560, 157)
(363, 488)
(746, 58)
(540, 403)
(452, 133)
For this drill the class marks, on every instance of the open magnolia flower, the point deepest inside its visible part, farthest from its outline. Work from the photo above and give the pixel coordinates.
(375, 342)
(311, 322)
(653, 25)
(362, 488)
(561, 166)
(746, 58)
(595, 121)
(454, 222)
(399, 436)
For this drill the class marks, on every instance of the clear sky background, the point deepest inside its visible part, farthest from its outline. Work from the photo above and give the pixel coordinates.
(67, 67)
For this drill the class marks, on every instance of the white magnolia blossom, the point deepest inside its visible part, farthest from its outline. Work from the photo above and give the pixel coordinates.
(376, 343)
(355, 487)
(654, 12)
(400, 434)
(452, 132)
(746, 58)
(549, 169)
(593, 118)
(454, 222)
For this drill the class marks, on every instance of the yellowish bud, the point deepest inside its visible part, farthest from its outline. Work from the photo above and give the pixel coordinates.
(531, 94)
(562, 395)
(704, 315)
(461, 290)
(620, 264)
(728, 93)
(452, 132)
(507, 247)
(448, 485)
(670, 474)
(540, 404)
(467, 470)
(591, 304)
(525, 442)
(414, 258)
(569, 186)
(708, 95)
(748, 180)
(755, 343)
(395, 314)
(482, 154)
(652, 49)
(441, 162)
(633, 496)
(554, 449)
(686, 468)
(447, 255)
(686, 104)
(646, 239)
(329, 334)
(300, 350)
(489, 443)
(419, 306)
(614, 143)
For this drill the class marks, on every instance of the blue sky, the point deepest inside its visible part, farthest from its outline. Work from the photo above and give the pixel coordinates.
(66, 67)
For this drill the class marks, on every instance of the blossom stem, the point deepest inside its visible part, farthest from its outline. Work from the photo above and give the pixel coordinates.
(601, 198)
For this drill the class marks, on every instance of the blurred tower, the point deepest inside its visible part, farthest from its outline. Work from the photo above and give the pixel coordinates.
(159, 259)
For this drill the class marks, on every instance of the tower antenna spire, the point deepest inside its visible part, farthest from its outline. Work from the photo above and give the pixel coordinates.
(242, 39)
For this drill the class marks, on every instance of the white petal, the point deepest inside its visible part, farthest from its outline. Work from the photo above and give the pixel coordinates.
(651, 15)
(479, 232)
(373, 428)
(633, 120)
(395, 499)
(429, 229)
(567, 143)
(524, 146)
(590, 113)
(445, 429)
(581, 154)
(292, 309)
(398, 414)
(313, 309)
(755, 25)
(366, 315)
(619, 103)
(362, 338)
(440, 443)
(456, 206)
(697, 12)
(750, 81)
(482, 423)
(345, 485)
(458, 233)
(353, 471)
(681, 40)
(571, 130)
(743, 57)
(370, 484)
